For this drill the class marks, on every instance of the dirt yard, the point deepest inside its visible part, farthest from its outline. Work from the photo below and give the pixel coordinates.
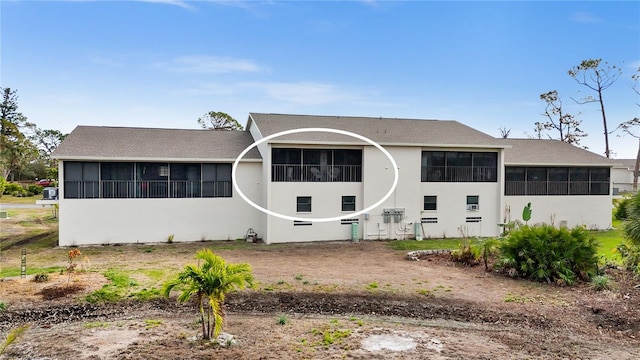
(338, 300)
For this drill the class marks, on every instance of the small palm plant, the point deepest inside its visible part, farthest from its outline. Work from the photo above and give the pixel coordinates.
(208, 283)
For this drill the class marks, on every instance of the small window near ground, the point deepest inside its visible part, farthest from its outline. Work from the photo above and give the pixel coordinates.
(430, 202)
(473, 202)
(348, 203)
(303, 204)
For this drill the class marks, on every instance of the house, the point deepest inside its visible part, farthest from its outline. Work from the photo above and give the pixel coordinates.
(128, 185)
(622, 175)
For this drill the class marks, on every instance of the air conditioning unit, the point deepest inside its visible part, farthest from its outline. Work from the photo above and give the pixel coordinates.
(50, 193)
(473, 207)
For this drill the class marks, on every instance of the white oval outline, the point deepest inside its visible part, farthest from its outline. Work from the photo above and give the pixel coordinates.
(329, 130)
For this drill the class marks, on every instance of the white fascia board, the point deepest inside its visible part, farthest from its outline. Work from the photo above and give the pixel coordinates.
(422, 145)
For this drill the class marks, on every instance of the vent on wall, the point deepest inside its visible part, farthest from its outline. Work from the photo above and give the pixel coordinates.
(349, 221)
(429, 220)
(474, 219)
(301, 223)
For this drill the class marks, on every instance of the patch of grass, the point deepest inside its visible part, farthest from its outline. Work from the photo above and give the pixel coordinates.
(147, 294)
(356, 320)
(429, 244)
(8, 199)
(280, 285)
(330, 336)
(601, 282)
(326, 288)
(150, 324)
(517, 298)
(372, 286)
(425, 292)
(15, 271)
(299, 277)
(3, 306)
(157, 275)
(609, 241)
(96, 324)
(282, 319)
(115, 291)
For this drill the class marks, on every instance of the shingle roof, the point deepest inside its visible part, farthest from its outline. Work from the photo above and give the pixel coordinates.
(626, 163)
(550, 152)
(386, 131)
(101, 142)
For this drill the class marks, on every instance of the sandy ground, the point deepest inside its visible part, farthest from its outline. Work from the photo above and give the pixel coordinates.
(341, 300)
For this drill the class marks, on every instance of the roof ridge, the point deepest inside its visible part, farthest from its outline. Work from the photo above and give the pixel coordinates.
(351, 117)
(150, 128)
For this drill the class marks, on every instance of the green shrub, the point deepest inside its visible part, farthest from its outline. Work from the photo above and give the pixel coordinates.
(620, 211)
(3, 183)
(40, 278)
(630, 255)
(467, 254)
(13, 187)
(35, 189)
(546, 253)
(601, 282)
(20, 193)
(632, 222)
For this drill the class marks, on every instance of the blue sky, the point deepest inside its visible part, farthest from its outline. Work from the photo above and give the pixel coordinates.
(164, 63)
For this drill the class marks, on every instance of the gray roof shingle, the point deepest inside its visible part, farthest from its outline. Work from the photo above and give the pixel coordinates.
(550, 152)
(386, 131)
(626, 163)
(102, 142)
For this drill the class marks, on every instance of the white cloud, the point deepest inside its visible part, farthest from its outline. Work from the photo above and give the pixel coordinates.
(208, 65)
(180, 3)
(635, 65)
(585, 18)
(304, 93)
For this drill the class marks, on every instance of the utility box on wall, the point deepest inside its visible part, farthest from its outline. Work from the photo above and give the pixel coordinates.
(354, 232)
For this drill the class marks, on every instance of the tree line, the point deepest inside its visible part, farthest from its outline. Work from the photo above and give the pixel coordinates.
(596, 76)
(25, 149)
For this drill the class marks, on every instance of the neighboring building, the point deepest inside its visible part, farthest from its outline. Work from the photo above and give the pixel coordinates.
(622, 175)
(128, 185)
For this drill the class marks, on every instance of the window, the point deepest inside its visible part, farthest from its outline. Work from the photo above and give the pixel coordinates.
(81, 180)
(117, 180)
(303, 204)
(348, 203)
(216, 180)
(185, 180)
(473, 202)
(458, 166)
(316, 165)
(430, 202)
(130, 180)
(557, 181)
